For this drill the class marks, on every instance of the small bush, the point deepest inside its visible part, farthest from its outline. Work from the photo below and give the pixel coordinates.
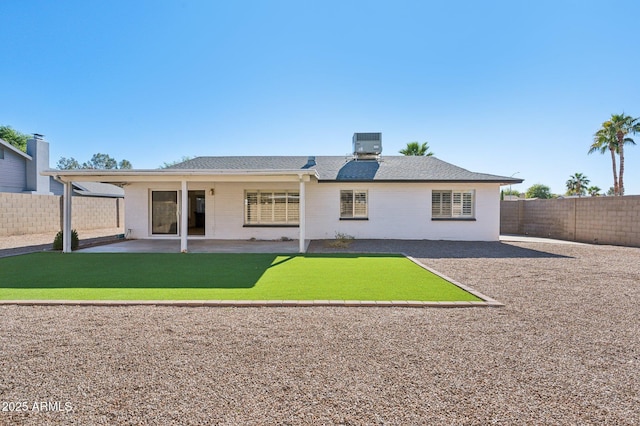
(341, 241)
(57, 241)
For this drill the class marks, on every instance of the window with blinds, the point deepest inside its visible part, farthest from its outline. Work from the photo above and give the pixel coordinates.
(271, 208)
(353, 204)
(452, 204)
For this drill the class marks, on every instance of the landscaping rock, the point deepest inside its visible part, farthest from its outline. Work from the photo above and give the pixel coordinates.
(564, 350)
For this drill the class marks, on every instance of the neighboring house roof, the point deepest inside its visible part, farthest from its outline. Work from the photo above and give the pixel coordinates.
(98, 189)
(341, 168)
(14, 149)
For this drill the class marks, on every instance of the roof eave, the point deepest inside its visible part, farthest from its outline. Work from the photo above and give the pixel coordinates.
(498, 181)
(138, 174)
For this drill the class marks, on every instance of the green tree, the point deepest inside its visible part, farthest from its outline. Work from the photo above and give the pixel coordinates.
(125, 164)
(68, 164)
(98, 161)
(622, 125)
(101, 162)
(14, 137)
(577, 184)
(605, 140)
(594, 191)
(611, 191)
(166, 165)
(511, 192)
(414, 148)
(539, 191)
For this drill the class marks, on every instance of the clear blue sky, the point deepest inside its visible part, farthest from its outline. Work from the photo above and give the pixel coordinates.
(494, 86)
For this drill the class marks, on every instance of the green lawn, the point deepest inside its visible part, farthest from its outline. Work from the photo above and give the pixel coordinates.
(176, 276)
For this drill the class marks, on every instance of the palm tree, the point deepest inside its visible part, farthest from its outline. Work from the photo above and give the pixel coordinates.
(605, 140)
(577, 184)
(414, 148)
(622, 125)
(594, 191)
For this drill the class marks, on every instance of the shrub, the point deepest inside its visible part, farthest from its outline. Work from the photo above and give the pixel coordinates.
(57, 241)
(341, 241)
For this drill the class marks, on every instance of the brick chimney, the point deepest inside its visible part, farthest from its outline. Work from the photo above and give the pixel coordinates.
(38, 149)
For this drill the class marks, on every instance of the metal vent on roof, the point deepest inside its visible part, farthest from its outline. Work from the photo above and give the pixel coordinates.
(367, 144)
(367, 136)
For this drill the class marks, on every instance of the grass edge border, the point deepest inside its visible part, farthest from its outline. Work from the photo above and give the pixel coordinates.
(489, 301)
(251, 303)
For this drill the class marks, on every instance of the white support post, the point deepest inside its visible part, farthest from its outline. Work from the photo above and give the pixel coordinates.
(66, 218)
(184, 217)
(303, 216)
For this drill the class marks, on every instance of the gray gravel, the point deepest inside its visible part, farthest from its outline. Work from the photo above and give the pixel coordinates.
(565, 350)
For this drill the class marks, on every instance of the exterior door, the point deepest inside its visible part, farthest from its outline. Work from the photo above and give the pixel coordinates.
(164, 212)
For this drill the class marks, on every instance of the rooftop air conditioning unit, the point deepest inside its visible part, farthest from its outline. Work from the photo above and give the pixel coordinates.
(367, 144)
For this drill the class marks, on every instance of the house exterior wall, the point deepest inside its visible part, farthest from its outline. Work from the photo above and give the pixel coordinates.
(400, 211)
(224, 217)
(13, 172)
(56, 187)
(395, 211)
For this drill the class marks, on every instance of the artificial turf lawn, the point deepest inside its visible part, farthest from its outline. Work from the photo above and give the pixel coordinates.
(207, 276)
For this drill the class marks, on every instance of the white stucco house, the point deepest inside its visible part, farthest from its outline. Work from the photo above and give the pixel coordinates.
(365, 195)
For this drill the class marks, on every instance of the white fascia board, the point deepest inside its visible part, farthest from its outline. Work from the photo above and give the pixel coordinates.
(172, 175)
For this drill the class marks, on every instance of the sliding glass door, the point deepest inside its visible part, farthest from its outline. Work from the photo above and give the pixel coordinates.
(164, 212)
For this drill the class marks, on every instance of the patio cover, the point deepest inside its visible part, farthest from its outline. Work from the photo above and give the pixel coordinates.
(184, 176)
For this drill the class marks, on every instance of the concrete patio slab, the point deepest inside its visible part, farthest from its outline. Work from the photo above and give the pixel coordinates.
(198, 246)
(528, 239)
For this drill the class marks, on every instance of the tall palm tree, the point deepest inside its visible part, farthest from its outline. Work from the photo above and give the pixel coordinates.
(414, 148)
(577, 184)
(605, 140)
(622, 125)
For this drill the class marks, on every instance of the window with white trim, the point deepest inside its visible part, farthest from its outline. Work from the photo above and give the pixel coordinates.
(1, 153)
(271, 208)
(452, 204)
(353, 204)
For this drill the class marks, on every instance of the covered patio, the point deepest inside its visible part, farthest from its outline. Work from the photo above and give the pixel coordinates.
(182, 181)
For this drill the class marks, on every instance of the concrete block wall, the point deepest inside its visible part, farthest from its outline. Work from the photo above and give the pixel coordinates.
(510, 218)
(22, 214)
(96, 213)
(601, 220)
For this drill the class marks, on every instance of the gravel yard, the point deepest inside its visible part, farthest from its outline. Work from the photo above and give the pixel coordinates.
(11, 245)
(564, 350)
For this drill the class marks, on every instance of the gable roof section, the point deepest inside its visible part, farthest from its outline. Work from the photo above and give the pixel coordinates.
(346, 169)
(14, 149)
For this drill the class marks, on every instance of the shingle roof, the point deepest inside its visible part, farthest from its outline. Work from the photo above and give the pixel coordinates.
(98, 189)
(340, 168)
